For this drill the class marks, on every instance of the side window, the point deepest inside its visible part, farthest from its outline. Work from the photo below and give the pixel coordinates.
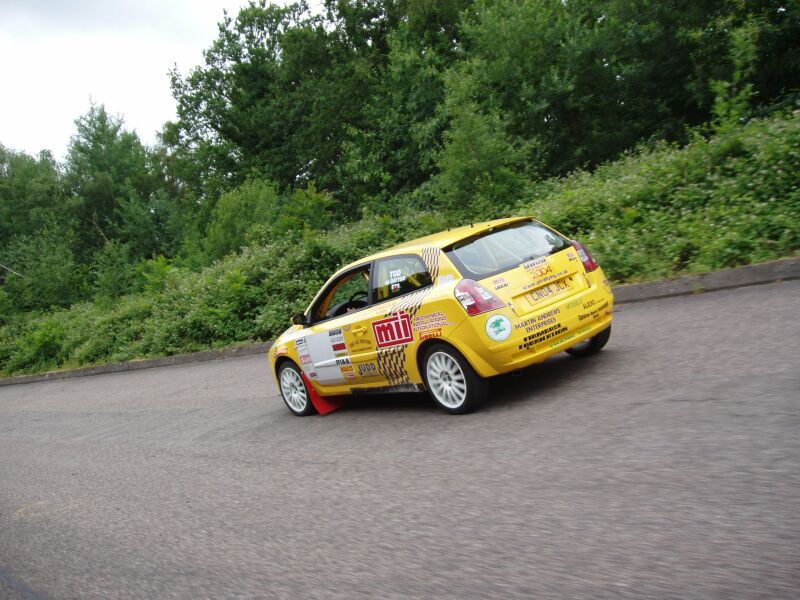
(398, 275)
(347, 294)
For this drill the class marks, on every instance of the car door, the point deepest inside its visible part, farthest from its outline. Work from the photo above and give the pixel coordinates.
(338, 348)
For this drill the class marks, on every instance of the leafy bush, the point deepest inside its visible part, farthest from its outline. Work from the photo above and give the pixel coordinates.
(729, 200)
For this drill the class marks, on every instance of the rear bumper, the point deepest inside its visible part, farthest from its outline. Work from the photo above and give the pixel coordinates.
(538, 335)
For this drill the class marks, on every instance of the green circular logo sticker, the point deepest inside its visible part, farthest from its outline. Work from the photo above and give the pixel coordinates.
(498, 328)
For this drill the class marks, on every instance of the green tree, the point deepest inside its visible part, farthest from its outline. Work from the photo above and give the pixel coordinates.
(47, 273)
(30, 193)
(273, 100)
(236, 213)
(113, 273)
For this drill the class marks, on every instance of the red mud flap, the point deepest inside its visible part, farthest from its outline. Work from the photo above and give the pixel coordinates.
(323, 405)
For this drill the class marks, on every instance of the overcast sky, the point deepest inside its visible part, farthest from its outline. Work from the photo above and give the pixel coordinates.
(58, 55)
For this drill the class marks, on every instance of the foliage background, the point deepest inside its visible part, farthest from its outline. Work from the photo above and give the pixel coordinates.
(664, 135)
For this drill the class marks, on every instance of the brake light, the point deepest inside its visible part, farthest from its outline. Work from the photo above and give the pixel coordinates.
(475, 298)
(589, 263)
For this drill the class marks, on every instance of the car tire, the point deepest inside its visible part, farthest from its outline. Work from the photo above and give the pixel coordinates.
(591, 346)
(294, 391)
(451, 381)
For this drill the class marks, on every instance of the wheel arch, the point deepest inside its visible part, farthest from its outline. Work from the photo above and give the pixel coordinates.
(281, 360)
(423, 348)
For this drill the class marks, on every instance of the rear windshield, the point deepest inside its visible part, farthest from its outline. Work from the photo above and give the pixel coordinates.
(502, 249)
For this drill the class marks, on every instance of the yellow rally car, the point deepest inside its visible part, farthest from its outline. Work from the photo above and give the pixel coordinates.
(443, 313)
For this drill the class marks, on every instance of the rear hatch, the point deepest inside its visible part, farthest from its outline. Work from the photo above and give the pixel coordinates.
(538, 282)
(525, 264)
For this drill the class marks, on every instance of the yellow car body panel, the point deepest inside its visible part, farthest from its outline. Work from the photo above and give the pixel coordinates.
(551, 303)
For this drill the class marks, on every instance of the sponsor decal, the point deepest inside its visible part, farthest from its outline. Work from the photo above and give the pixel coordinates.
(395, 287)
(529, 341)
(572, 304)
(393, 330)
(430, 333)
(543, 280)
(446, 278)
(304, 355)
(499, 283)
(434, 320)
(534, 263)
(348, 371)
(595, 312)
(539, 272)
(570, 337)
(498, 327)
(396, 277)
(336, 338)
(280, 351)
(369, 369)
(361, 344)
(571, 256)
(545, 317)
(345, 360)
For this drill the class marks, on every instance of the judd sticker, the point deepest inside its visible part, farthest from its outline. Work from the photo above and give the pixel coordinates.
(498, 327)
(369, 369)
(393, 330)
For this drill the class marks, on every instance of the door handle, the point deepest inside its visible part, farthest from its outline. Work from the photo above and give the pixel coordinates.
(359, 330)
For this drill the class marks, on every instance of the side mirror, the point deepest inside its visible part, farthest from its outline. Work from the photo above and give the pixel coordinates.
(299, 319)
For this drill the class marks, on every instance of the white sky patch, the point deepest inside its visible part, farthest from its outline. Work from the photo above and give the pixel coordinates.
(60, 55)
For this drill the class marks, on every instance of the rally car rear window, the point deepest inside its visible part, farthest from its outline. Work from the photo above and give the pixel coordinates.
(498, 250)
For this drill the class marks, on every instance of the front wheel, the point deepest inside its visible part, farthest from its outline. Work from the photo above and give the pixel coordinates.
(294, 391)
(591, 346)
(451, 380)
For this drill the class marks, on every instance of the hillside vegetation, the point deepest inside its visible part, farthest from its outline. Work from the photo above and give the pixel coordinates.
(664, 136)
(732, 199)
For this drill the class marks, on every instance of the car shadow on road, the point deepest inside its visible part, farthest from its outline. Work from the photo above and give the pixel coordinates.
(527, 385)
(534, 383)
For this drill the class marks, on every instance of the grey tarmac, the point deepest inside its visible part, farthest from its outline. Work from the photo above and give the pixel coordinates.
(667, 466)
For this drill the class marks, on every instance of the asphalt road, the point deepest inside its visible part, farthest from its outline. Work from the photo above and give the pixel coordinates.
(668, 466)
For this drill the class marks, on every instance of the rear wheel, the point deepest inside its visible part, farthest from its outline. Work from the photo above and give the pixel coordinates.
(591, 346)
(294, 391)
(451, 380)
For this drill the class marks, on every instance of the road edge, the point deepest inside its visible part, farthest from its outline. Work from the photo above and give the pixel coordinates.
(762, 273)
